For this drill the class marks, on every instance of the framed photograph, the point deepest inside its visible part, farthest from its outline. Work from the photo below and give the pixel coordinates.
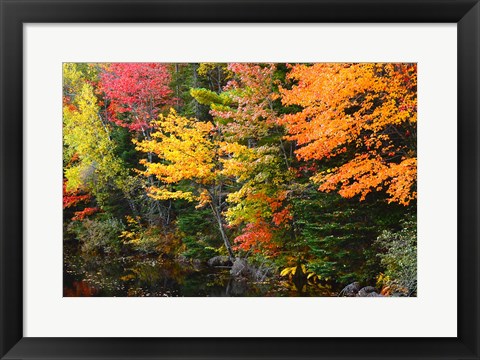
(228, 179)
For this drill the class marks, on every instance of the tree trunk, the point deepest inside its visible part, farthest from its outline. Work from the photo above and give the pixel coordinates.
(228, 246)
(195, 85)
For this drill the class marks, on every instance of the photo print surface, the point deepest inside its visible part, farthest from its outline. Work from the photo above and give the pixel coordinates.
(239, 179)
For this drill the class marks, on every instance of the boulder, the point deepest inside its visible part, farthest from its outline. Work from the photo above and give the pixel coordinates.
(363, 292)
(240, 268)
(350, 290)
(220, 260)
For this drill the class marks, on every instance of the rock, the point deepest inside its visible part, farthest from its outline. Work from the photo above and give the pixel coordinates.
(196, 264)
(363, 292)
(240, 268)
(219, 261)
(350, 290)
(182, 259)
(261, 273)
(354, 290)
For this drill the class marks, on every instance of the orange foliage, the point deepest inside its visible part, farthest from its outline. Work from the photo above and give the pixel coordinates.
(258, 233)
(72, 198)
(368, 113)
(80, 215)
(256, 237)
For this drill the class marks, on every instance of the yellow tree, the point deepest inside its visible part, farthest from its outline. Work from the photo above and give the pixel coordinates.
(87, 140)
(365, 116)
(191, 164)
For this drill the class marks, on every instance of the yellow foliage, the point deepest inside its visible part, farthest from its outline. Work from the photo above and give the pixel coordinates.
(304, 272)
(86, 136)
(184, 147)
(206, 69)
(203, 199)
(188, 149)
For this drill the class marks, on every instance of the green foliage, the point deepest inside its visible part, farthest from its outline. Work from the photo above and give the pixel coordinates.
(197, 248)
(87, 139)
(199, 234)
(207, 77)
(208, 97)
(124, 148)
(400, 257)
(340, 235)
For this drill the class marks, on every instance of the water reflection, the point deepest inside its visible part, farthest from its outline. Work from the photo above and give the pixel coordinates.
(137, 276)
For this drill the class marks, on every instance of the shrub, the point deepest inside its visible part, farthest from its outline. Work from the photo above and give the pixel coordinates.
(99, 235)
(148, 240)
(400, 258)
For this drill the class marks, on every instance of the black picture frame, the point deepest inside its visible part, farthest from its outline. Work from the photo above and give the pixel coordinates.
(15, 13)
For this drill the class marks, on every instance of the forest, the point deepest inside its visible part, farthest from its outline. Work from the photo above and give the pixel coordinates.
(239, 179)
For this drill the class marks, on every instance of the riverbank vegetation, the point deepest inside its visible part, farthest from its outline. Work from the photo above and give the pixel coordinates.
(301, 174)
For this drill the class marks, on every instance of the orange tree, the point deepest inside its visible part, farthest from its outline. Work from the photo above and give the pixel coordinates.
(364, 116)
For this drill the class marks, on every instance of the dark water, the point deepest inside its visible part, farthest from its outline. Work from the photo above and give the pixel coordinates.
(152, 276)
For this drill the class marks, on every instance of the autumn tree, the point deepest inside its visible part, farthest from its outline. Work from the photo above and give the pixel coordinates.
(215, 75)
(244, 106)
(91, 165)
(362, 114)
(136, 93)
(190, 153)
(245, 114)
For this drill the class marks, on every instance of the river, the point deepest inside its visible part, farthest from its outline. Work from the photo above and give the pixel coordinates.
(143, 276)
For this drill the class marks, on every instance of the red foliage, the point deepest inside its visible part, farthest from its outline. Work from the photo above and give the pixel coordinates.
(256, 237)
(80, 215)
(138, 90)
(282, 216)
(72, 198)
(79, 288)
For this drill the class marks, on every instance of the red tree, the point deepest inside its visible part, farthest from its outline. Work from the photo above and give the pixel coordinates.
(136, 93)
